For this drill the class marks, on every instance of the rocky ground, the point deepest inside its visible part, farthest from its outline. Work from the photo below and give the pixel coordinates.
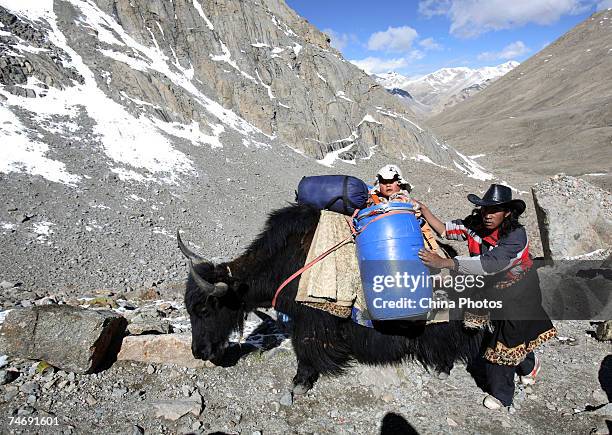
(111, 246)
(120, 235)
(251, 396)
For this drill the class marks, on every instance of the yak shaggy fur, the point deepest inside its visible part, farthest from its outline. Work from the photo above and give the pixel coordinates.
(323, 343)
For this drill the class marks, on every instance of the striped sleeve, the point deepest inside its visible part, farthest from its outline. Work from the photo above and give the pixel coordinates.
(508, 252)
(455, 230)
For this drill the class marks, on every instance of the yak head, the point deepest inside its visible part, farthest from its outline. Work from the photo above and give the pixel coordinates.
(214, 301)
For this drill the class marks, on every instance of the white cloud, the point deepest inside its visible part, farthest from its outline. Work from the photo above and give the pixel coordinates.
(470, 18)
(396, 39)
(604, 4)
(430, 44)
(429, 8)
(416, 55)
(376, 65)
(510, 51)
(339, 40)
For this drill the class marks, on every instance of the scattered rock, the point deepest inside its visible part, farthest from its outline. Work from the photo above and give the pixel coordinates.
(599, 396)
(30, 388)
(10, 393)
(139, 326)
(7, 376)
(26, 410)
(119, 392)
(7, 284)
(605, 410)
(286, 399)
(91, 400)
(175, 409)
(102, 302)
(149, 295)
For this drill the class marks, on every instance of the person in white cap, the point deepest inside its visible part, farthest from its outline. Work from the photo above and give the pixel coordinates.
(389, 186)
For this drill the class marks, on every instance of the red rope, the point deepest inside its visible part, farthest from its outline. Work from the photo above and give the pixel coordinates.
(354, 233)
(308, 266)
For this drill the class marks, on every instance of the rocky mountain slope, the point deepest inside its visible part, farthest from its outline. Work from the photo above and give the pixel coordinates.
(550, 114)
(122, 121)
(199, 72)
(441, 89)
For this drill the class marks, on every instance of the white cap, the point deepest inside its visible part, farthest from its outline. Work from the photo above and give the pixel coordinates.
(389, 172)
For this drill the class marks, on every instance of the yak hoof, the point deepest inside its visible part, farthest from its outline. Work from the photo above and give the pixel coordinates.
(300, 389)
(441, 375)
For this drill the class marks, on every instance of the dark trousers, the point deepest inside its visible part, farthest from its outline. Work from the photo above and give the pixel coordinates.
(500, 378)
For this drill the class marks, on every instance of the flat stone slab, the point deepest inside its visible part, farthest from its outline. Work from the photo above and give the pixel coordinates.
(161, 349)
(71, 338)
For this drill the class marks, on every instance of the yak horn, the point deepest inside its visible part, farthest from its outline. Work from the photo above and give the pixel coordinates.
(204, 285)
(217, 289)
(192, 256)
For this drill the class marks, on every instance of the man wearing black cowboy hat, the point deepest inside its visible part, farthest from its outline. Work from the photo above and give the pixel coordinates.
(499, 251)
(483, 227)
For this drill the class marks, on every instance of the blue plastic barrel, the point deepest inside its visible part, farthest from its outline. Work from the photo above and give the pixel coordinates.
(395, 281)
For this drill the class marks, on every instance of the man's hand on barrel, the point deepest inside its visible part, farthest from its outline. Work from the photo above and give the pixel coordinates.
(431, 259)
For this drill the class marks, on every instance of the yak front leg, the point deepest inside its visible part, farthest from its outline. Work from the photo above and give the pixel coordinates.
(305, 378)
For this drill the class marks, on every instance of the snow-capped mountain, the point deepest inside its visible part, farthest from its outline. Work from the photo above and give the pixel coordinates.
(445, 87)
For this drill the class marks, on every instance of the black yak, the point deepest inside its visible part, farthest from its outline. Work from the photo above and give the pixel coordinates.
(218, 297)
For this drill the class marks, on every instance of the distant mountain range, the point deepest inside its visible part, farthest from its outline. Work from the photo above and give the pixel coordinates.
(551, 114)
(441, 89)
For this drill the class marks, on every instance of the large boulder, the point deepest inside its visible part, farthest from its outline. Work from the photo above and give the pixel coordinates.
(71, 338)
(604, 331)
(575, 217)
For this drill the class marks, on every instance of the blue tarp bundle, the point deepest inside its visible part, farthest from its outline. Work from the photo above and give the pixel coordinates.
(340, 193)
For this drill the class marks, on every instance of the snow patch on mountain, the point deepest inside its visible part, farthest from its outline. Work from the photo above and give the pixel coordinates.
(139, 141)
(22, 154)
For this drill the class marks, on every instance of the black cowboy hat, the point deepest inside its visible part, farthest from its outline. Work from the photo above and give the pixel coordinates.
(498, 194)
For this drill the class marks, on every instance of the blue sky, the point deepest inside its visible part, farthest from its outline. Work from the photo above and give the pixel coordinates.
(418, 37)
